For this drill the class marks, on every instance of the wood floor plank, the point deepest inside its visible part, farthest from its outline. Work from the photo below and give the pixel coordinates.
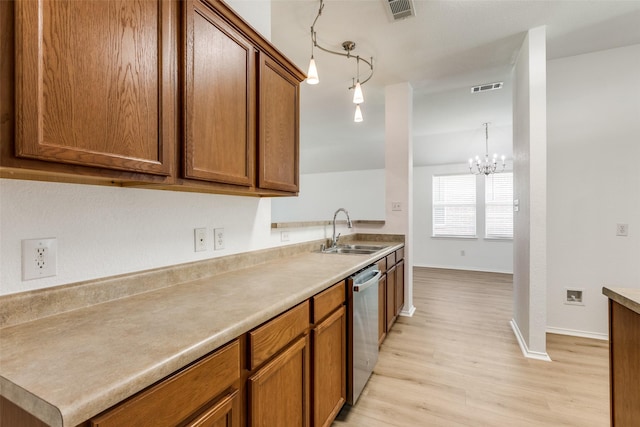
(457, 363)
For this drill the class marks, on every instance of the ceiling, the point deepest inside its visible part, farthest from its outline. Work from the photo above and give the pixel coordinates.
(445, 49)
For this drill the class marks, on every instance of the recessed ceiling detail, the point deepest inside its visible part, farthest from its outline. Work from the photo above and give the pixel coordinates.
(486, 87)
(400, 9)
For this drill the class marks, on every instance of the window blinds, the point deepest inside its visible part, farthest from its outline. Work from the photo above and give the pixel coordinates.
(454, 205)
(499, 206)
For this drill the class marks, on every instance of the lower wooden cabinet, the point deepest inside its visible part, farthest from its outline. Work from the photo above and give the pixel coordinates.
(279, 391)
(390, 297)
(224, 413)
(624, 365)
(329, 367)
(399, 300)
(382, 312)
(182, 396)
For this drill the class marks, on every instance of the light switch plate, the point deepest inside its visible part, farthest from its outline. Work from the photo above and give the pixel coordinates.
(200, 239)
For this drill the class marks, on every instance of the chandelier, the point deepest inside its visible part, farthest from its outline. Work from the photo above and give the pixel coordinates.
(348, 46)
(486, 166)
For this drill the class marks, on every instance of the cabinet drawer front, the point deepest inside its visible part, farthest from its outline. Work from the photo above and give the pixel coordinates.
(399, 254)
(271, 337)
(382, 265)
(327, 301)
(223, 414)
(176, 398)
(391, 260)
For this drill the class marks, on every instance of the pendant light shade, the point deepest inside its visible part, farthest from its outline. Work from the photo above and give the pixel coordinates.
(358, 97)
(312, 75)
(358, 116)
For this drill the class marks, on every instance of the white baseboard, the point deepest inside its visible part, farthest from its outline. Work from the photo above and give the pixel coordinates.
(408, 312)
(523, 345)
(576, 333)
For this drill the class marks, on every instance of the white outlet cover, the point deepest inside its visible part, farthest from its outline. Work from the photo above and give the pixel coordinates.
(200, 239)
(622, 230)
(39, 258)
(218, 239)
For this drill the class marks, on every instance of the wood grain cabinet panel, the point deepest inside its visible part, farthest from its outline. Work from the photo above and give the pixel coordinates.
(327, 301)
(624, 365)
(278, 146)
(399, 299)
(268, 339)
(224, 413)
(95, 83)
(382, 309)
(176, 399)
(390, 297)
(219, 111)
(329, 368)
(279, 392)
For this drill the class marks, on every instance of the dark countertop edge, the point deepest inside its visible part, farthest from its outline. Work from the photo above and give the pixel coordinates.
(57, 416)
(627, 297)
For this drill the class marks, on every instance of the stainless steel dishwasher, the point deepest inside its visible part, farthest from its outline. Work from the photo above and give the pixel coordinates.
(362, 296)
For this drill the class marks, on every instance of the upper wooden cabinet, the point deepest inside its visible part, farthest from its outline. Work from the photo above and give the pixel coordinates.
(219, 89)
(95, 83)
(238, 101)
(279, 129)
(142, 93)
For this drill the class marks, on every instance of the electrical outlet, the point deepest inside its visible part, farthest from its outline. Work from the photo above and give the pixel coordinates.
(284, 236)
(200, 239)
(218, 239)
(396, 206)
(622, 229)
(39, 258)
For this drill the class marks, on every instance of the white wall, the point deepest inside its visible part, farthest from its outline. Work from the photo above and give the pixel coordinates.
(360, 192)
(529, 188)
(256, 12)
(594, 183)
(480, 254)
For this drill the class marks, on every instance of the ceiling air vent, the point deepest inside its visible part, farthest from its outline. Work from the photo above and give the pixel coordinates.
(401, 9)
(486, 87)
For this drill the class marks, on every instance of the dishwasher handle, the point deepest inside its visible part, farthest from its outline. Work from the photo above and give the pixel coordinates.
(359, 287)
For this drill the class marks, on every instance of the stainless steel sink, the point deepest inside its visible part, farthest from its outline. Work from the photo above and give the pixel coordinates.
(353, 249)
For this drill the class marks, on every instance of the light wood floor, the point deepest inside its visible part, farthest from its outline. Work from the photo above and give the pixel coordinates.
(456, 362)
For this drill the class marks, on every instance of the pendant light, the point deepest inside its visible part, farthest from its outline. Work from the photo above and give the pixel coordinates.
(358, 116)
(312, 75)
(348, 46)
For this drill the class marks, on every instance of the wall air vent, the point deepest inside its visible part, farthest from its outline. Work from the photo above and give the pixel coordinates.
(486, 87)
(400, 9)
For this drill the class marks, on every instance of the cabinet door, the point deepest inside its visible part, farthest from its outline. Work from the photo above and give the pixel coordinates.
(279, 129)
(219, 93)
(329, 368)
(382, 310)
(390, 300)
(279, 392)
(399, 287)
(95, 83)
(225, 413)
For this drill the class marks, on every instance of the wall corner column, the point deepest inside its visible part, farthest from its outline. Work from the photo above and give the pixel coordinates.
(399, 176)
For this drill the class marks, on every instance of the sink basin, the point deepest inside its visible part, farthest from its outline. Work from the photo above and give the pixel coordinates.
(354, 249)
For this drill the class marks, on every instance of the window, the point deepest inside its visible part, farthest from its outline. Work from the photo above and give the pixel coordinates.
(499, 206)
(454, 205)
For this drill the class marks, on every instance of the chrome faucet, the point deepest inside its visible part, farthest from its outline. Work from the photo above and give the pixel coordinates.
(334, 239)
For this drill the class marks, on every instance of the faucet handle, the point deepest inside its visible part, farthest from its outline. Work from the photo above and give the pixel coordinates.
(337, 238)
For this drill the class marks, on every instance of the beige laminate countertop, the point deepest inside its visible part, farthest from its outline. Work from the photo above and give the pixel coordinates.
(71, 366)
(627, 297)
